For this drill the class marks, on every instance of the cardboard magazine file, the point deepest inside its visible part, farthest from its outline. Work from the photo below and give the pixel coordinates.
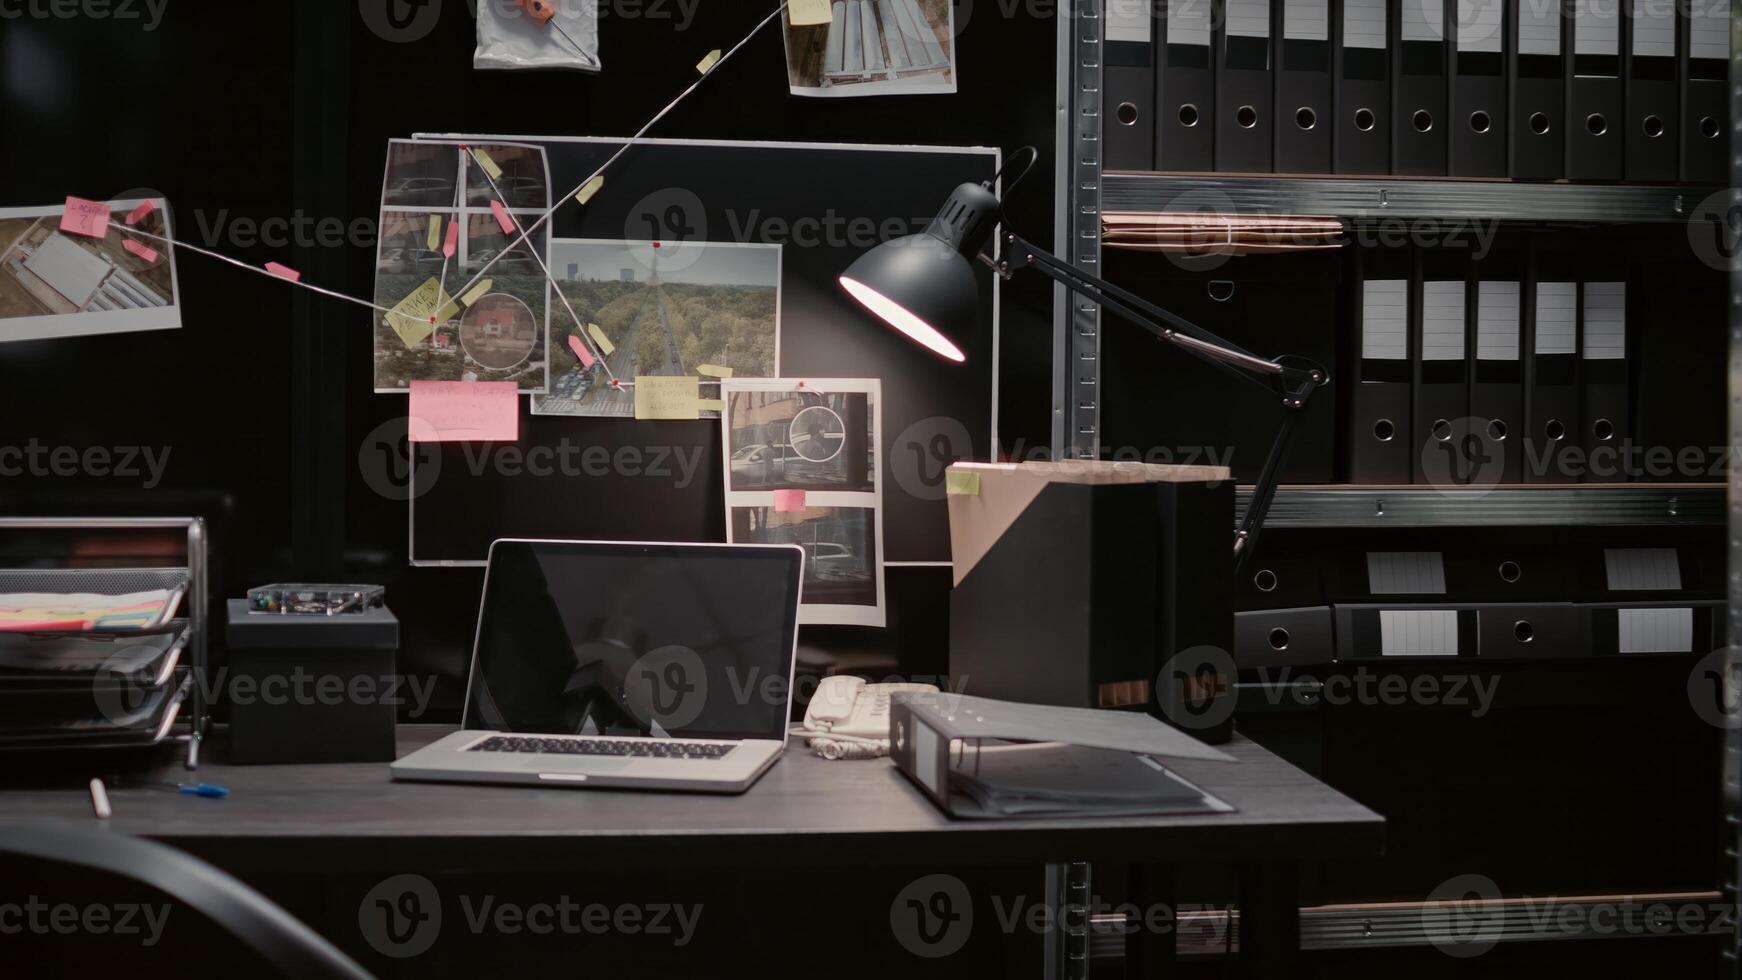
(1077, 582)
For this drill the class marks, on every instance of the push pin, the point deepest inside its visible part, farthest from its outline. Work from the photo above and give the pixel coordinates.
(544, 12)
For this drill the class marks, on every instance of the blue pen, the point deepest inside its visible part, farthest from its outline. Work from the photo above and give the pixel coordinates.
(206, 790)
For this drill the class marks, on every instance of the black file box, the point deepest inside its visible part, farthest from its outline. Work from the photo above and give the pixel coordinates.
(1076, 584)
(311, 689)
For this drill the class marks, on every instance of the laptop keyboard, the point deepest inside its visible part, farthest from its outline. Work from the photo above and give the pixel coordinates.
(640, 748)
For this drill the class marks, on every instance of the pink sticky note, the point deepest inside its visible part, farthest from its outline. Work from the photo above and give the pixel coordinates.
(87, 218)
(458, 411)
(579, 346)
(284, 272)
(140, 213)
(788, 501)
(502, 217)
(145, 252)
(452, 245)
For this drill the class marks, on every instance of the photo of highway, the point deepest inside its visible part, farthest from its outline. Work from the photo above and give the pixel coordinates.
(664, 310)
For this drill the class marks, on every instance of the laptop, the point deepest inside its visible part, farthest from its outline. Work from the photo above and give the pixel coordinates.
(626, 665)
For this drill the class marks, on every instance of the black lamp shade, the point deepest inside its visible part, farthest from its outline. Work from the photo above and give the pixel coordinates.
(922, 287)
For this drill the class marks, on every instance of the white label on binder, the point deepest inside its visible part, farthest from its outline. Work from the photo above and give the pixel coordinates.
(1423, 20)
(1385, 320)
(1596, 27)
(1306, 20)
(1364, 24)
(1605, 321)
(1480, 24)
(1188, 22)
(1557, 317)
(1654, 28)
(1497, 321)
(1709, 30)
(1636, 569)
(1418, 632)
(1539, 27)
(1654, 630)
(1442, 321)
(1406, 573)
(1128, 20)
(1248, 18)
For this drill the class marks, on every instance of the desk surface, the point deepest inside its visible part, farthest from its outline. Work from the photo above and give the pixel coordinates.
(803, 810)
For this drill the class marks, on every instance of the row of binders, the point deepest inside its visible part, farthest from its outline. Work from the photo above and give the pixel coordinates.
(1413, 607)
(1509, 369)
(1602, 90)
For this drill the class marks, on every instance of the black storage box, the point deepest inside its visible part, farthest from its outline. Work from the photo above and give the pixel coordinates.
(310, 689)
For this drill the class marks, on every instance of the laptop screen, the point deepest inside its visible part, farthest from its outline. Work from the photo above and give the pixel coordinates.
(663, 640)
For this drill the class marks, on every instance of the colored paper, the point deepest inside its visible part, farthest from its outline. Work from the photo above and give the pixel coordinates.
(284, 272)
(478, 292)
(435, 231)
(415, 318)
(961, 483)
(141, 212)
(145, 252)
(603, 341)
(713, 371)
(579, 346)
(488, 164)
(590, 188)
(457, 411)
(668, 398)
(809, 13)
(502, 217)
(452, 245)
(788, 501)
(713, 404)
(87, 218)
(706, 64)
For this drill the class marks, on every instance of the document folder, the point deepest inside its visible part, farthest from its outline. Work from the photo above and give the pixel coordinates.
(1243, 88)
(1129, 123)
(1418, 118)
(1185, 100)
(1303, 88)
(1361, 134)
(1705, 156)
(1367, 632)
(1551, 385)
(1270, 638)
(1604, 377)
(1594, 108)
(1497, 367)
(1443, 453)
(1652, 138)
(1538, 77)
(1379, 442)
(1477, 125)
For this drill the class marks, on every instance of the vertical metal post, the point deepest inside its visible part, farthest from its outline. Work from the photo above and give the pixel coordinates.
(1732, 775)
(1076, 423)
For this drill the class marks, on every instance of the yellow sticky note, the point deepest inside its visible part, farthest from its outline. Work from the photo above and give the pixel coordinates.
(713, 371)
(712, 404)
(668, 398)
(961, 483)
(411, 318)
(435, 232)
(478, 291)
(809, 13)
(603, 341)
(590, 188)
(488, 164)
(707, 64)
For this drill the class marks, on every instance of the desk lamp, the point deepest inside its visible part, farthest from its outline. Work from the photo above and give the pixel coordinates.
(923, 285)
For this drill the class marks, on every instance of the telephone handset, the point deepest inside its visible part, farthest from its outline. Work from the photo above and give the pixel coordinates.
(849, 717)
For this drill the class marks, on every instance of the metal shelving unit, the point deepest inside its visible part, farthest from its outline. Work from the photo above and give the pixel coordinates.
(1731, 786)
(1514, 506)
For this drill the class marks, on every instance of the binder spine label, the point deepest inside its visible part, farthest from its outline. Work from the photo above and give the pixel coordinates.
(1442, 321)
(1188, 22)
(1605, 321)
(1249, 18)
(1479, 26)
(1385, 320)
(1539, 27)
(1128, 21)
(1306, 20)
(1557, 317)
(1596, 28)
(1654, 28)
(1709, 30)
(1423, 20)
(1364, 24)
(1497, 307)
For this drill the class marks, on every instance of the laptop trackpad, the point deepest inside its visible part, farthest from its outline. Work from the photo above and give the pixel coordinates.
(589, 764)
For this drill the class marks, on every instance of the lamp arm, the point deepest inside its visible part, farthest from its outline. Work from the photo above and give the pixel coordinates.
(1295, 379)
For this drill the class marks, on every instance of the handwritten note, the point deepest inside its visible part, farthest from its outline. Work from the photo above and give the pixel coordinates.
(452, 244)
(87, 218)
(667, 398)
(284, 272)
(454, 411)
(415, 318)
(788, 501)
(707, 64)
(713, 371)
(502, 217)
(141, 212)
(584, 355)
(961, 483)
(809, 13)
(603, 341)
(145, 252)
(590, 188)
(488, 164)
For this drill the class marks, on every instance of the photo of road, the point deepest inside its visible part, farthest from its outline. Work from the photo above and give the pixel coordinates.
(663, 310)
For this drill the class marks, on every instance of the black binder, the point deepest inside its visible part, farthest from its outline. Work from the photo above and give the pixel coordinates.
(1594, 105)
(1603, 376)
(1405, 630)
(1551, 368)
(1381, 432)
(1532, 631)
(1653, 133)
(1303, 87)
(1705, 87)
(1361, 134)
(1272, 638)
(1129, 124)
(1418, 111)
(1185, 98)
(1478, 130)
(1497, 364)
(1243, 87)
(1441, 450)
(1536, 53)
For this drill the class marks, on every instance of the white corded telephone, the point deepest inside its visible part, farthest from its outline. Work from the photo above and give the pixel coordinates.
(848, 718)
